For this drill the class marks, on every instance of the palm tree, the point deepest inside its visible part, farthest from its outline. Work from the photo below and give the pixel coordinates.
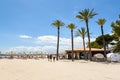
(101, 22)
(72, 27)
(82, 32)
(58, 24)
(85, 15)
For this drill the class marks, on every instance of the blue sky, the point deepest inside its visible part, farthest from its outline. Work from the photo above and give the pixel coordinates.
(26, 24)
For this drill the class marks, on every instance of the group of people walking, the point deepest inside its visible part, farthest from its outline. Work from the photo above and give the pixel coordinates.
(51, 58)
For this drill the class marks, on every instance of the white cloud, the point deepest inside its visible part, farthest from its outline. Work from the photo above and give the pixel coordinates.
(46, 39)
(52, 40)
(27, 49)
(25, 36)
(48, 44)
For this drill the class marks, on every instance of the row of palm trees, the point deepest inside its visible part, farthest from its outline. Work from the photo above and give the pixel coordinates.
(84, 15)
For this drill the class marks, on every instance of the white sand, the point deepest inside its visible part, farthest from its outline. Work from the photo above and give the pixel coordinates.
(60, 70)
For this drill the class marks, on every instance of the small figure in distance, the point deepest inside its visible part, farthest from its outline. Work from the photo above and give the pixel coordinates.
(51, 57)
(54, 58)
(48, 56)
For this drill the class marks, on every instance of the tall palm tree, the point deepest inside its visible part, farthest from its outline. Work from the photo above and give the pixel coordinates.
(72, 26)
(58, 24)
(85, 15)
(82, 32)
(101, 22)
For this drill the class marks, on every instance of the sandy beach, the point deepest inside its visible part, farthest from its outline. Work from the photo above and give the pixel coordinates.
(30, 69)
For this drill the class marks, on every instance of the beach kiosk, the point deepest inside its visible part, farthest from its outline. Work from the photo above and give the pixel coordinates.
(79, 52)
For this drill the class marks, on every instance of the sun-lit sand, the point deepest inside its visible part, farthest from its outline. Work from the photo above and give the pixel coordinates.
(30, 69)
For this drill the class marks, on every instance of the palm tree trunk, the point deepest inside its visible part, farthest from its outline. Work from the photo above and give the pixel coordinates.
(58, 43)
(90, 54)
(72, 45)
(104, 45)
(84, 49)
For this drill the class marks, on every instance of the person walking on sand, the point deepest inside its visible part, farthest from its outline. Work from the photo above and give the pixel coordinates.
(48, 56)
(51, 57)
(54, 58)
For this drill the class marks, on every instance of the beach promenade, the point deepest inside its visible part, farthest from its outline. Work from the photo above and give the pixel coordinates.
(42, 69)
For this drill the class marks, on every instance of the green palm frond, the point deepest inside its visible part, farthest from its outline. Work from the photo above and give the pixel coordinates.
(101, 22)
(81, 32)
(92, 13)
(58, 23)
(86, 14)
(71, 26)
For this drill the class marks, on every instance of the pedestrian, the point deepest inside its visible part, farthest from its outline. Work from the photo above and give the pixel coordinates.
(54, 58)
(51, 57)
(48, 56)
